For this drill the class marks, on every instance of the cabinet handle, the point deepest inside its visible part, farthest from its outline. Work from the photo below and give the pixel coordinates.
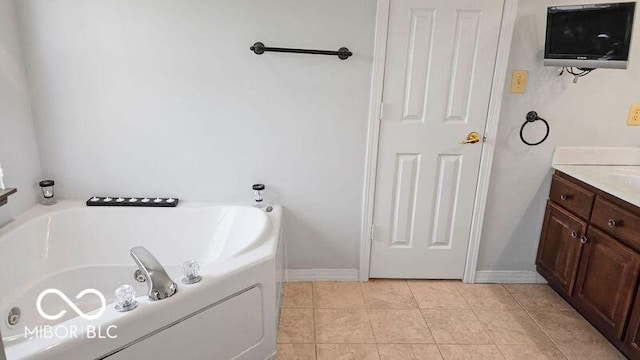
(565, 197)
(583, 239)
(612, 223)
(575, 234)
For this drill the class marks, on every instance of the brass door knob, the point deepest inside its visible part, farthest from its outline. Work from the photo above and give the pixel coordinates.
(472, 138)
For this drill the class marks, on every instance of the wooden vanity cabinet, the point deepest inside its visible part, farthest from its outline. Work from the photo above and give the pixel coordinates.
(589, 252)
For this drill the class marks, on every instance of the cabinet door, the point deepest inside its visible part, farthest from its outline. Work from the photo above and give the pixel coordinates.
(560, 247)
(632, 337)
(606, 282)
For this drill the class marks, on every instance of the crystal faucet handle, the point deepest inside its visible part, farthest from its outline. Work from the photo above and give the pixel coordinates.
(191, 272)
(125, 298)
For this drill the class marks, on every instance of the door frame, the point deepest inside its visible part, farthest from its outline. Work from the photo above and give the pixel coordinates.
(509, 13)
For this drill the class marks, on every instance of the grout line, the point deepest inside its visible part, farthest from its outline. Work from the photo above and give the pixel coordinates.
(428, 328)
(366, 312)
(464, 298)
(413, 295)
(435, 342)
(364, 301)
(378, 350)
(315, 333)
(526, 311)
(486, 328)
(460, 295)
(439, 351)
(469, 345)
(501, 352)
(545, 332)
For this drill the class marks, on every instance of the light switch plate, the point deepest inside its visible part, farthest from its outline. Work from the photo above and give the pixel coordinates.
(519, 81)
(634, 115)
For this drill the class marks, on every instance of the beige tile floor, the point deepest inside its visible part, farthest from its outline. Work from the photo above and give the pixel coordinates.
(432, 320)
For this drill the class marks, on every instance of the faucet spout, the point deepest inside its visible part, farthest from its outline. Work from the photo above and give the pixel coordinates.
(160, 285)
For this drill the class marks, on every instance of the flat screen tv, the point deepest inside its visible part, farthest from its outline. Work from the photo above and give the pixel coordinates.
(589, 36)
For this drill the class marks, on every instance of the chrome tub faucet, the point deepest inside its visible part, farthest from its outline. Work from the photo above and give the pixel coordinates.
(159, 284)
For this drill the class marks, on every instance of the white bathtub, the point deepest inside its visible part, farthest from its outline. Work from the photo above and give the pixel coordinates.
(230, 314)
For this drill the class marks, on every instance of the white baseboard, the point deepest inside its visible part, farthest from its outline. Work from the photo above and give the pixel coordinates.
(509, 277)
(482, 277)
(322, 274)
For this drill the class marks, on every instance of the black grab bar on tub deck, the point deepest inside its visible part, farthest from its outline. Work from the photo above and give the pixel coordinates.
(343, 53)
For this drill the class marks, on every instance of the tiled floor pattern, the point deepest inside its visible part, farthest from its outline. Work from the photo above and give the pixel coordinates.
(433, 320)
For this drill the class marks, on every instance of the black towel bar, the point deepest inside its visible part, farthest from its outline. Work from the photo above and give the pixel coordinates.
(343, 53)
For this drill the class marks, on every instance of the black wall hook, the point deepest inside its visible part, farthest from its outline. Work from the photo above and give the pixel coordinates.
(532, 116)
(343, 53)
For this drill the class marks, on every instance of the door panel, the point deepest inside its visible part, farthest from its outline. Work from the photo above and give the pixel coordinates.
(404, 199)
(440, 60)
(418, 64)
(448, 177)
(465, 45)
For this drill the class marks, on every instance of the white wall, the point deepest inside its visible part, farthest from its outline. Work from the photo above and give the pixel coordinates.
(164, 97)
(591, 112)
(18, 149)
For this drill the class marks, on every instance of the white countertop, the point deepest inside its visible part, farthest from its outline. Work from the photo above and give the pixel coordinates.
(612, 170)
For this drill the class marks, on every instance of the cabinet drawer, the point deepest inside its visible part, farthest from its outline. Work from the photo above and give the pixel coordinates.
(617, 222)
(572, 197)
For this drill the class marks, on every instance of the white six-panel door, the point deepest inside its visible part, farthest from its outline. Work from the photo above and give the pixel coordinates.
(440, 60)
